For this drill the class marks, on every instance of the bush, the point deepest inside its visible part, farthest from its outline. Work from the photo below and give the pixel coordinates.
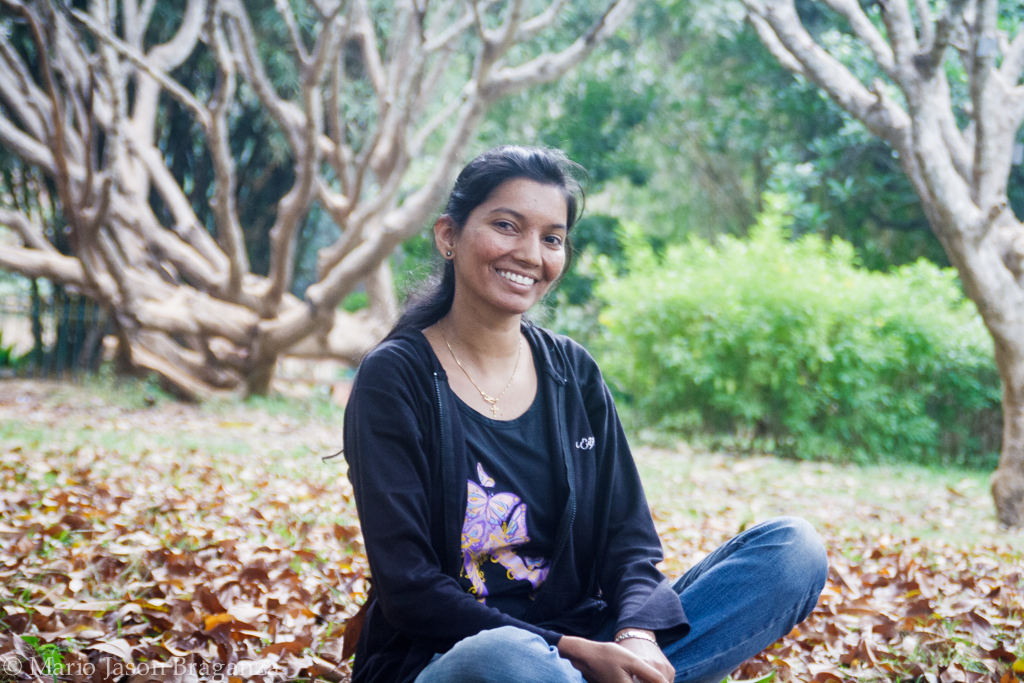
(792, 346)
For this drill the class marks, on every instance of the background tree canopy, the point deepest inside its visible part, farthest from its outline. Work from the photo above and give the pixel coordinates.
(686, 120)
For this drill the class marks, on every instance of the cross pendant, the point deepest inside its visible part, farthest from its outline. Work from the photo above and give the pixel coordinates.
(494, 405)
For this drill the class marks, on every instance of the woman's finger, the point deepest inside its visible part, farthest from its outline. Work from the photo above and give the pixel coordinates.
(647, 673)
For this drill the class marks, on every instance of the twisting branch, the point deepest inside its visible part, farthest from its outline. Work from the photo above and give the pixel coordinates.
(512, 79)
(455, 28)
(371, 50)
(774, 45)
(174, 88)
(186, 223)
(865, 31)
(879, 113)
(926, 24)
(293, 29)
(1013, 59)
(184, 306)
(899, 26)
(294, 205)
(31, 234)
(928, 61)
(243, 38)
(532, 27)
(20, 93)
(991, 113)
(229, 230)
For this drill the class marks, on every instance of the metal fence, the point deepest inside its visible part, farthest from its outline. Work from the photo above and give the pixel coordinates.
(55, 336)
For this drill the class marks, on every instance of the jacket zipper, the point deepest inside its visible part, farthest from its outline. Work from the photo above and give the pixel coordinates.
(570, 472)
(452, 549)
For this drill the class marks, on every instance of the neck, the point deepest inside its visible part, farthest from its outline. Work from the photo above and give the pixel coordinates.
(481, 332)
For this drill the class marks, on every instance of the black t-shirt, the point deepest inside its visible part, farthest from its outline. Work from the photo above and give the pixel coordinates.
(516, 496)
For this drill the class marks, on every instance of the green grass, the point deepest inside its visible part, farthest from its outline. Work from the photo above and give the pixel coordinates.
(904, 500)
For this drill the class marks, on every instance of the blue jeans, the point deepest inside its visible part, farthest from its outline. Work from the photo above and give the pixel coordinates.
(748, 593)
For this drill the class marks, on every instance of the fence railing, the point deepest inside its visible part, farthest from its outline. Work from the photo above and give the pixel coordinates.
(55, 336)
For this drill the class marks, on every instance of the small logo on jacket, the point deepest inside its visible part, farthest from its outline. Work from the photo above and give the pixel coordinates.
(585, 443)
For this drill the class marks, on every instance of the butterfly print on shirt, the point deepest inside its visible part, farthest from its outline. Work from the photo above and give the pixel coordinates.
(495, 525)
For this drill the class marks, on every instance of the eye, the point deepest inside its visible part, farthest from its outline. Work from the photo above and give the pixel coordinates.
(505, 225)
(554, 239)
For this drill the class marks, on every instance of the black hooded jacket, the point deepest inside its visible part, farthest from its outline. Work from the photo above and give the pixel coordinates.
(406, 452)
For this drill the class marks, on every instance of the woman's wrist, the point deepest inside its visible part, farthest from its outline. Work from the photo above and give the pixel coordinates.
(638, 633)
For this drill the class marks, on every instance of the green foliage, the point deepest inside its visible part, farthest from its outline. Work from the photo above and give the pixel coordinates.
(7, 357)
(356, 301)
(793, 345)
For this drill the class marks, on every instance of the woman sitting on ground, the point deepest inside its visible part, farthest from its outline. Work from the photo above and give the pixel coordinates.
(504, 520)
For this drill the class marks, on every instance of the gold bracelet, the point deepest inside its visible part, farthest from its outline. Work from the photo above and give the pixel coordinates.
(635, 634)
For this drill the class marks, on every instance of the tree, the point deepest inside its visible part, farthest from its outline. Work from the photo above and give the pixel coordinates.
(385, 100)
(957, 158)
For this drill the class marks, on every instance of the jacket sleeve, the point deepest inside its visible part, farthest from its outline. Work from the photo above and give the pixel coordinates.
(386, 447)
(638, 593)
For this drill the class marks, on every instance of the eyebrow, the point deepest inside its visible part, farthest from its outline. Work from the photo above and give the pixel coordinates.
(520, 217)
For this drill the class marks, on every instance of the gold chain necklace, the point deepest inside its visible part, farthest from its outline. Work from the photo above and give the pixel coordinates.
(493, 401)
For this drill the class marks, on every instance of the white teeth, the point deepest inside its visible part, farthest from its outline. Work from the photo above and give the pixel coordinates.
(516, 278)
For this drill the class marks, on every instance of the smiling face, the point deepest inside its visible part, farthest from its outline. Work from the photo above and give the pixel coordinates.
(512, 247)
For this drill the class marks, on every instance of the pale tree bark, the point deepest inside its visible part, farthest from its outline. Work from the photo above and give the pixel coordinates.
(959, 173)
(186, 303)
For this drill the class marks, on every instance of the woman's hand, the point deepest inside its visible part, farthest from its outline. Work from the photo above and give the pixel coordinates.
(612, 663)
(651, 654)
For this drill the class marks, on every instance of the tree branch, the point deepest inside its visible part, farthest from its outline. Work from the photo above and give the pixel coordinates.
(187, 224)
(878, 112)
(31, 234)
(229, 230)
(925, 21)
(45, 264)
(532, 27)
(865, 31)
(165, 57)
(294, 205)
(900, 27)
(774, 46)
(508, 80)
(1013, 59)
(363, 28)
(447, 37)
(993, 147)
(174, 88)
(928, 61)
(421, 136)
(166, 245)
(20, 93)
(287, 115)
(285, 11)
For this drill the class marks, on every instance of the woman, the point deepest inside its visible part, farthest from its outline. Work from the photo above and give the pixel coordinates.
(505, 524)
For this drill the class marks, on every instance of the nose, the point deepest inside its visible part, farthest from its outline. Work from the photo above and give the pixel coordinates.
(528, 250)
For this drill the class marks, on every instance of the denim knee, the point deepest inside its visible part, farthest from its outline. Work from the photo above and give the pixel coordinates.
(799, 558)
(506, 653)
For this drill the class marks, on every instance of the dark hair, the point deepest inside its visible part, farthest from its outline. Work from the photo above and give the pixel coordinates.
(474, 185)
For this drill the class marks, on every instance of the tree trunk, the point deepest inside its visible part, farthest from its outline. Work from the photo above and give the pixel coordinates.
(258, 382)
(1008, 479)
(959, 173)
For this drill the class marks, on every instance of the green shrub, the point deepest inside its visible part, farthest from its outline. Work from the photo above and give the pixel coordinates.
(790, 345)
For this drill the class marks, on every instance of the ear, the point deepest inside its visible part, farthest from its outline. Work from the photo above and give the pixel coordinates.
(444, 234)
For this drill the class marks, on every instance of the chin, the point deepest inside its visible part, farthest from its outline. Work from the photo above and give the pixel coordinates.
(512, 306)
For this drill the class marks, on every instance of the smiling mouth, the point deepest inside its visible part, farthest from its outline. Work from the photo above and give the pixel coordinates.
(518, 279)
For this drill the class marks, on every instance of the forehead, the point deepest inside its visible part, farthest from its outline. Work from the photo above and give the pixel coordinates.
(536, 201)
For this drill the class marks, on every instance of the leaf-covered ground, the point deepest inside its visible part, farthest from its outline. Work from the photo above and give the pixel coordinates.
(146, 540)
